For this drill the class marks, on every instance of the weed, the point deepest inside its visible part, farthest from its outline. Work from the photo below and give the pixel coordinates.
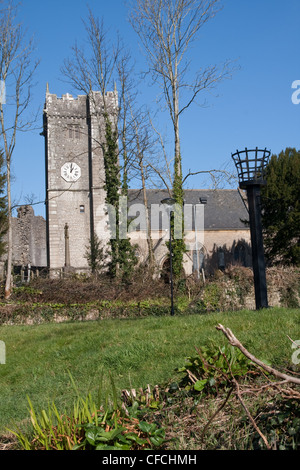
(280, 422)
(117, 432)
(210, 369)
(89, 426)
(210, 298)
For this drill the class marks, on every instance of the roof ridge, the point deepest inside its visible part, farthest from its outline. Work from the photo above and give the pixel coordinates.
(201, 189)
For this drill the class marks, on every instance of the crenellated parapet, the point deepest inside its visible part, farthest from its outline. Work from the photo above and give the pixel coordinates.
(103, 104)
(81, 106)
(65, 107)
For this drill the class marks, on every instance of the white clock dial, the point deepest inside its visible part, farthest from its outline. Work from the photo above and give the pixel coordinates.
(70, 171)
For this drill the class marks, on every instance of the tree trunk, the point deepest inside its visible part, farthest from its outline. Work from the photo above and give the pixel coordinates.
(8, 283)
(148, 228)
(177, 161)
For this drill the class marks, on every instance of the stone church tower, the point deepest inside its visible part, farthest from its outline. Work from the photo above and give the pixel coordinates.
(74, 137)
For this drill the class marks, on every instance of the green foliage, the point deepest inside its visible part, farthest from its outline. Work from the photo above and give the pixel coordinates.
(95, 255)
(178, 245)
(112, 186)
(280, 423)
(52, 430)
(136, 352)
(122, 253)
(281, 208)
(210, 298)
(24, 291)
(211, 368)
(89, 426)
(127, 258)
(111, 164)
(121, 433)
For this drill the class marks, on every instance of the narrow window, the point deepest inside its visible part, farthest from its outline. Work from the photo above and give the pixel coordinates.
(77, 133)
(81, 208)
(73, 131)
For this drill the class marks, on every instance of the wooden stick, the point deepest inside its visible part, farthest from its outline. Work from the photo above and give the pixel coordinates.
(235, 342)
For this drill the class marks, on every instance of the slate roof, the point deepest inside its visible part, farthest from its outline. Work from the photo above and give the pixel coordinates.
(224, 209)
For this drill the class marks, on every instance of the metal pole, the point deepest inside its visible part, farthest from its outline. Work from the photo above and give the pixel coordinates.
(196, 243)
(171, 268)
(258, 259)
(67, 247)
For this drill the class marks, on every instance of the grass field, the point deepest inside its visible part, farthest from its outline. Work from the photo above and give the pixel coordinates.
(136, 352)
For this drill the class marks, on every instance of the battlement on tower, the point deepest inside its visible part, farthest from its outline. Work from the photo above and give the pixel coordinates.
(81, 106)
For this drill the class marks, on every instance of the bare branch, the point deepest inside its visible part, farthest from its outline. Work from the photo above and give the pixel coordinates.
(210, 172)
(236, 343)
(239, 396)
(16, 70)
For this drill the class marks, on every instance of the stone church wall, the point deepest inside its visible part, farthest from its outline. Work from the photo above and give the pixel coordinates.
(74, 135)
(29, 240)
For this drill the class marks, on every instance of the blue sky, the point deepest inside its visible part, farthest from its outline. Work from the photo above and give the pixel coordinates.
(252, 109)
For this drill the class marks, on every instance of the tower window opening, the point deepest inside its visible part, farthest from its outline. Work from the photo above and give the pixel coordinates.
(73, 132)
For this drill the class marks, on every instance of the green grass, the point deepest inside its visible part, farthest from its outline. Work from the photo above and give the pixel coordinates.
(136, 352)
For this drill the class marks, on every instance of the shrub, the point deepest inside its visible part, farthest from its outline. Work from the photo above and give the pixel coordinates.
(210, 298)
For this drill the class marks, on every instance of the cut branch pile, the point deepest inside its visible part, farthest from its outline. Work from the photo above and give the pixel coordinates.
(277, 386)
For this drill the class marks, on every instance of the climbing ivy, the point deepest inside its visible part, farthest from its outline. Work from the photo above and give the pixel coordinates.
(112, 185)
(178, 245)
(122, 256)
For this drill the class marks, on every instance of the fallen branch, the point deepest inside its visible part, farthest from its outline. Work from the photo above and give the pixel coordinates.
(239, 396)
(215, 414)
(236, 343)
(296, 344)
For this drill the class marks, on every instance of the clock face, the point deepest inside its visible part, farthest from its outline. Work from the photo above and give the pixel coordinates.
(70, 171)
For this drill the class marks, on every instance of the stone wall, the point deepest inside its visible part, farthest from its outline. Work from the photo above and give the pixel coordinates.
(234, 289)
(29, 240)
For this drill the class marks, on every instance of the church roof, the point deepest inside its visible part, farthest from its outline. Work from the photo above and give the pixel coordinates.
(224, 208)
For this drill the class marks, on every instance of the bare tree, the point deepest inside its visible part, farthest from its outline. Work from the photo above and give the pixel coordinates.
(16, 72)
(135, 138)
(127, 93)
(98, 67)
(167, 29)
(94, 67)
(143, 144)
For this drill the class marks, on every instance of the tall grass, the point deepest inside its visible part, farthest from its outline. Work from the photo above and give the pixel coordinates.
(136, 352)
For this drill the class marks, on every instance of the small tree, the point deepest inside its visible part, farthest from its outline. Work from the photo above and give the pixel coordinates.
(95, 255)
(280, 203)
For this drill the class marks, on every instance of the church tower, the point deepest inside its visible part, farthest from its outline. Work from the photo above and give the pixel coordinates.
(74, 132)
